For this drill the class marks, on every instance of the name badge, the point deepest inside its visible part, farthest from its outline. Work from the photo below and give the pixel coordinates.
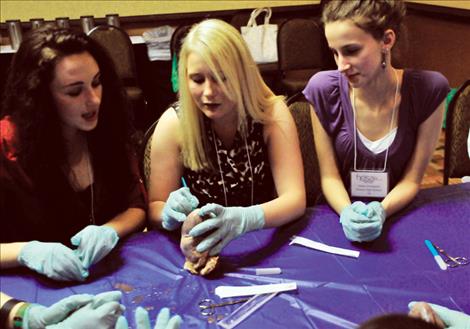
(369, 184)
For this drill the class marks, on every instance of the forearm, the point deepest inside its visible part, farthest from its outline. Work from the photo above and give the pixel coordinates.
(155, 214)
(400, 196)
(9, 254)
(284, 209)
(335, 193)
(127, 222)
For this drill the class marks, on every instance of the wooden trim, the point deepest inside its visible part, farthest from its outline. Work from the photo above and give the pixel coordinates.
(440, 12)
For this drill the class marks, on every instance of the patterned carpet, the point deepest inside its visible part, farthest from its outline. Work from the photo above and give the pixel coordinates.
(434, 173)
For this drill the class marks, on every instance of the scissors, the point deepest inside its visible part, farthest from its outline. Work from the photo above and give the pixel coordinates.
(207, 306)
(452, 261)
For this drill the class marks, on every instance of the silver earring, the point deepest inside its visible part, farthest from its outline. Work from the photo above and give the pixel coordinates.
(384, 59)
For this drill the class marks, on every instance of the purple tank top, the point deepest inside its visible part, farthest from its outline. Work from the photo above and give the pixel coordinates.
(421, 93)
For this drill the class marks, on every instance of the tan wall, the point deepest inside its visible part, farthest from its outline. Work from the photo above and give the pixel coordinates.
(26, 9)
(49, 9)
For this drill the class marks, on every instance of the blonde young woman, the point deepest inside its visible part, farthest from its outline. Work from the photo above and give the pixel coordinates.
(375, 126)
(232, 140)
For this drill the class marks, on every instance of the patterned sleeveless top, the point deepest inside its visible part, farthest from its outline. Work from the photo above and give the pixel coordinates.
(207, 185)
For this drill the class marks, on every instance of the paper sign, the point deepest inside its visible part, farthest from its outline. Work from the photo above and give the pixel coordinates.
(323, 247)
(236, 291)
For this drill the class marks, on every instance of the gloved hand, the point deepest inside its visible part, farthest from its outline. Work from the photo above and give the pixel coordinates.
(94, 243)
(423, 311)
(100, 311)
(229, 222)
(452, 319)
(376, 212)
(361, 222)
(53, 260)
(142, 320)
(179, 204)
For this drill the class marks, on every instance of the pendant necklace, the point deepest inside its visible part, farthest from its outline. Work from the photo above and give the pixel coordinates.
(392, 120)
(222, 174)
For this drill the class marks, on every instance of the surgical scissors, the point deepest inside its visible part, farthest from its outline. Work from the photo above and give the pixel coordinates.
(452, 261)
(207, 306)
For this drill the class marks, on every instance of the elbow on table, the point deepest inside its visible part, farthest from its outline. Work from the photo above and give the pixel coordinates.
(299, 205)
(400, 197)
(154, 220)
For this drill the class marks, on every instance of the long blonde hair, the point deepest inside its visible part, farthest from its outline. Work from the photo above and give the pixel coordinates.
(226, 54)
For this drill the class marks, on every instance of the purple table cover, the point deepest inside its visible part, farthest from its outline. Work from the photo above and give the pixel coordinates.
(333, 291)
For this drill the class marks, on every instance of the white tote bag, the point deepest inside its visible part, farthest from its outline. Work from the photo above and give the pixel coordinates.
(261, 39)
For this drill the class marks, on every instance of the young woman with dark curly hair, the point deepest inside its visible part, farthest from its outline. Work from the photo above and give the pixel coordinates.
(69, 175)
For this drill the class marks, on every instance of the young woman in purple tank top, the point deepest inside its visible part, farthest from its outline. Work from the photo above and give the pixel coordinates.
(375, 126)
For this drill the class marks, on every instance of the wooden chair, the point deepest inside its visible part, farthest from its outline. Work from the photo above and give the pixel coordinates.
(119, 48)
(177, 39)
(144, 154)
(456, 157)
(175, 47)
(300, 44)
(300, 110)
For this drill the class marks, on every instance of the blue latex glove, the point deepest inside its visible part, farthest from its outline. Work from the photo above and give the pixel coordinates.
(360, 222)
(178, 206)
(88, 312)
(101, 313)
(94, 243)
(142, 320)
(452, 319)
(228, 222)
(376, 212)
(53, 260)
(38, 316)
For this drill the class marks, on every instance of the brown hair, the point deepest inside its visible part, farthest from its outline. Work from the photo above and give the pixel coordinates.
(373, 16)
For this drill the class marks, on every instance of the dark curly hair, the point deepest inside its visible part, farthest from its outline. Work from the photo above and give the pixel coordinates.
(28, 101)
(373, 16)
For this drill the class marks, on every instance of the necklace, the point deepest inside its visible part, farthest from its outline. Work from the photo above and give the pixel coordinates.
(90, 177)
(221, 172)
(390, 129)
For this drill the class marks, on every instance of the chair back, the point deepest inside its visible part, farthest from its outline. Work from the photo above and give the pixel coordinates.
(119, 47)
(456, 157)
(144, 154)
(176, 43)
(177, 39)
(300, 44)
(300, 110)
(301, 53)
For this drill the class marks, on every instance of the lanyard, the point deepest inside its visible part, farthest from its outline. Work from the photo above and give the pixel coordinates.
(390, 129)
(222, 173)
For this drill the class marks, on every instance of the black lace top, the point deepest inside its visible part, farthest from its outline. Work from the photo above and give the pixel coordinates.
(207, 185)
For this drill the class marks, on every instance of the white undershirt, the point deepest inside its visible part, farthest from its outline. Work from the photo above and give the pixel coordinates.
(378, 145)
